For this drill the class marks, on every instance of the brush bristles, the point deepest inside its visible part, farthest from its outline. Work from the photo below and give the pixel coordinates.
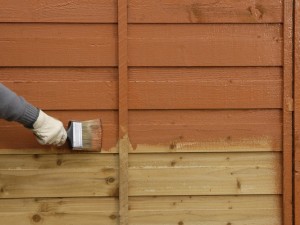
(91, 135)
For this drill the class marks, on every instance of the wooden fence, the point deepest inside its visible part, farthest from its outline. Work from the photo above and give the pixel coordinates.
(196, 102)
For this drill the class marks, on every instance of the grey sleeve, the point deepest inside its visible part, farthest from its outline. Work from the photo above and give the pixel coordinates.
(16, 108)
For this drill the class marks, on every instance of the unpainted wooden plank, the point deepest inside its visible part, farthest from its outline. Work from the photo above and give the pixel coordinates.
(199, 203)
(215, 210)
(205, 174)
(209, 11)
(258, 210)
(205, 45)
(53, 211)
(58, 176)
(166, 131)
(149, 88)
(58, 44)
(92, 175)
(287, 113)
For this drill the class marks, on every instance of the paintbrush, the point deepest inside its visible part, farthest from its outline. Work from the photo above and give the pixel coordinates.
(85, 135)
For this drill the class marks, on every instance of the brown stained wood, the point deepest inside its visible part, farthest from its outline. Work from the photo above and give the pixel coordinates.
(209, 11)
(89, 11)
(195, 88)
(205, 174)
(205, 131)
(142, 11)
(149, 88)
(123, 144)
(85, 95)
(59, 74)
(287, 113)
(166, 131)
(205, 45)
(58, 45)
(297, 113)
(215, 210)
(150, 45)
(64, 88)
(22, 141)
(53, 211)
(58, 176)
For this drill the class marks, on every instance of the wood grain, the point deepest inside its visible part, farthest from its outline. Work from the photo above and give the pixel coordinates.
(257, 210)
(297, 113)
(31, 11)
(76, 175)
(205, 131)
(209, 11)
(149, 45)
(58, 45)
(205, 174)
(205, 88)
(166, 131)
(91, 175)
(287, 114)
(53, 211)
(215, 210)
(148, 88)
(205, 45)
(142, 11)
(124, 143)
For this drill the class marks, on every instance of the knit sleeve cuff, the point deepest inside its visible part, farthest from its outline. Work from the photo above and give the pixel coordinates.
(30, 115)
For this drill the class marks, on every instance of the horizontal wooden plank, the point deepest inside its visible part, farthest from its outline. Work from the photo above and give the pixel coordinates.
(209, 11)
(48, 211)
(149, 88)
(149, 45)
(166, 131)
(90, 175)
(63, 74)
(214, 210)
(58, 175)
(91, 11)
(206, 130)
(58, 45)
(257, 210)
(205, 174)
(205, 45)
(142, 11)
(198, 203)
(84, 95)
(205, 88)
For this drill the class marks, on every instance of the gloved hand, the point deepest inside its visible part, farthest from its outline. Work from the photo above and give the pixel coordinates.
(49, 131)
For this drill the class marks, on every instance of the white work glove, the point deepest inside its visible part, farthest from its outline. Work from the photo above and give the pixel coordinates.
(49, 131)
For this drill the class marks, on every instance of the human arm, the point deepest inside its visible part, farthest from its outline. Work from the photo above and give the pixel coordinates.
(47, 129)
